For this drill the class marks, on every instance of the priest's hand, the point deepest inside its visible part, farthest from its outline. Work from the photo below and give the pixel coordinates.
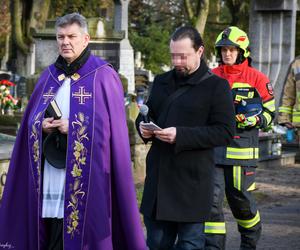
(167, 135)
(62, 125)
(47, 125)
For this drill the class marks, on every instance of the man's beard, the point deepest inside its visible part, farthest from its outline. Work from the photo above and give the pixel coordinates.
(181, 72)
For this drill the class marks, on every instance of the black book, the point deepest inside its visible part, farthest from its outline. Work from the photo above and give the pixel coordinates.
(53, 110)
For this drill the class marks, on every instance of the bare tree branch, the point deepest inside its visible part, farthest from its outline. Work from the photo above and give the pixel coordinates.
(199, 16)
(189, 9)
(17, 28)
(202, 16)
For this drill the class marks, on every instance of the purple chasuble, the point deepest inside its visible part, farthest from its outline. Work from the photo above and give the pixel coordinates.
(100, 211)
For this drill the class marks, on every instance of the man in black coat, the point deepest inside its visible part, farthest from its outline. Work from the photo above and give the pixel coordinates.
(195, 111)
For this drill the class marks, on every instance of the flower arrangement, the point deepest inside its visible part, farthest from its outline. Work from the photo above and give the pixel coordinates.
(7, 101)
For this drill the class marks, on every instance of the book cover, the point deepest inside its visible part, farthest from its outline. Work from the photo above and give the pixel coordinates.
(53, 110)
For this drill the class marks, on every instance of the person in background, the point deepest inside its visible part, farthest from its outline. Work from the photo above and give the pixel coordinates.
(235, 164)
(69, 184)
(194, 109)
(289, 110)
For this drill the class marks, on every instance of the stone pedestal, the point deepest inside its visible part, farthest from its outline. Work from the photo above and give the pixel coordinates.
(127, 63)
(140, 151)
(267, 151)
(9, 123)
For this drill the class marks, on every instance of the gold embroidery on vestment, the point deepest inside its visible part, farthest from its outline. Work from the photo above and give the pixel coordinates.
(81, 95)
(78, 161)
(48, 95)
(36, 145)
(75, 76)
(61, 77)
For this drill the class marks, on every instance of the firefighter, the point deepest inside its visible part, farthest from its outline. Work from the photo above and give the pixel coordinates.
(235, 164)
(289, 111)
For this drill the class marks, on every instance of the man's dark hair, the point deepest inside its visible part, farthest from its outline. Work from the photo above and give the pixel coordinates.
(188, 32)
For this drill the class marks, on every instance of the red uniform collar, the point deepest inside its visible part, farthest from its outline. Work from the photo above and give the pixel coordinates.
(236, 68)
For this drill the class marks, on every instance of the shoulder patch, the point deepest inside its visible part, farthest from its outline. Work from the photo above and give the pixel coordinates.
(270, 89)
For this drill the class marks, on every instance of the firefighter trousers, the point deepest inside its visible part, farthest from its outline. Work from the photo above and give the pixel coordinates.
(238, 182)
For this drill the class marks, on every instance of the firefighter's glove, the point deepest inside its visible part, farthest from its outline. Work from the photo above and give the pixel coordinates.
(247, 122)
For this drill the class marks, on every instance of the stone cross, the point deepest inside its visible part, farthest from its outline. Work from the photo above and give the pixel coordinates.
(121, 16)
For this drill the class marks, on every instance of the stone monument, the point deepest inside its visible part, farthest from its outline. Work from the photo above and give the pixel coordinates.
(126, 51)
(272, 36)
(109, 40)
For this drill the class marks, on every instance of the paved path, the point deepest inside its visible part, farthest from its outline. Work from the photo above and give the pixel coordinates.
(279, 204)
(281, 228)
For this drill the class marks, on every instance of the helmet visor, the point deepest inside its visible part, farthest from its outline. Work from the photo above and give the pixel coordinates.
(226, 42)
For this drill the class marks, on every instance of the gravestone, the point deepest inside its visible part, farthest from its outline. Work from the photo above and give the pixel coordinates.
(109, 40)
(6, 147)
(272, 42)
(21, 87)
(126, 51)
(272, 36)
(102, 44)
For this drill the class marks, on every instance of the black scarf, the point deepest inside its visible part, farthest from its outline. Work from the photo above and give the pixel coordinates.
(70, 69)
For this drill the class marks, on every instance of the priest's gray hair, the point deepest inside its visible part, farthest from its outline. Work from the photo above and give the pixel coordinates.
(70, 19)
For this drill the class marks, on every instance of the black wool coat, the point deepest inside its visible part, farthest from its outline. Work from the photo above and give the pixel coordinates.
(179, 177)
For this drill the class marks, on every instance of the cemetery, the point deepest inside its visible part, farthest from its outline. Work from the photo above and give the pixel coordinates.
(272, 30)
(109, 40)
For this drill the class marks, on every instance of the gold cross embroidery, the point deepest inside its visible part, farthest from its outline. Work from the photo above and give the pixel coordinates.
(82, 95)
(48, 95)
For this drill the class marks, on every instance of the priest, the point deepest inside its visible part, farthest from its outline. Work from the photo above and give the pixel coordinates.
(69, 184)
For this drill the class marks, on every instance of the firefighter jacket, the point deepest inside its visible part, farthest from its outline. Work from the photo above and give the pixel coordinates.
(289, 110)
(247, 84)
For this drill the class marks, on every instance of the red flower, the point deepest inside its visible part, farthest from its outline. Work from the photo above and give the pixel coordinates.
(10, 97)
(7, 83)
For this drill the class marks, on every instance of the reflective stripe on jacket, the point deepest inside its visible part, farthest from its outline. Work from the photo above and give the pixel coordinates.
(289, 110)
(249, 84)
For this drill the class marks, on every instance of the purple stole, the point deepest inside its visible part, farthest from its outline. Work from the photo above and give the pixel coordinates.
(80, 139)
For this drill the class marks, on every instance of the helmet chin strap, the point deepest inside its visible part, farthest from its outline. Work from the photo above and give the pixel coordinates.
(240, 58)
